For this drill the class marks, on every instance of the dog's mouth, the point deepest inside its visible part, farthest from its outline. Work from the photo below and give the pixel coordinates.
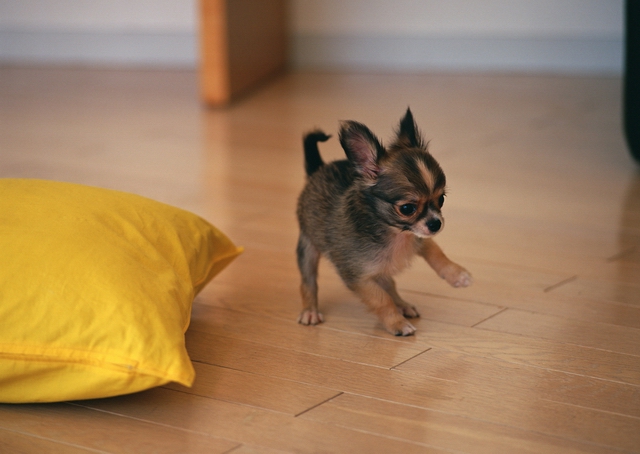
(422, 234)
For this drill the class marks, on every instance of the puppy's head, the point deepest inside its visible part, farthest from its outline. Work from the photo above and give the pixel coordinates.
(403, 183)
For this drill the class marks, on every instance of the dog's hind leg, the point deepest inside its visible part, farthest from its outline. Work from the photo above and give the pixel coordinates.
(308, 258)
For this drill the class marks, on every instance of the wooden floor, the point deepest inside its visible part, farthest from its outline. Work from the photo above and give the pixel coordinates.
(540, 355)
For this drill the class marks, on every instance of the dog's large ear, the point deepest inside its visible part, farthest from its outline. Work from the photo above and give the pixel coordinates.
(408, 135)
(362, 147)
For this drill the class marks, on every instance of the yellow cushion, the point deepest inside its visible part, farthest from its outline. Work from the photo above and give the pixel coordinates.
(96, 288)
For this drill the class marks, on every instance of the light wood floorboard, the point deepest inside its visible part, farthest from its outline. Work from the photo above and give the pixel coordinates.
(18, 443)
(540, 355)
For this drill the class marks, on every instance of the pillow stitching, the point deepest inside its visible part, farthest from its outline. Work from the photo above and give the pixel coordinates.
(138, 367)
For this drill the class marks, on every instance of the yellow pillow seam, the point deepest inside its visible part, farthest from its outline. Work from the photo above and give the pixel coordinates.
(230, 255)
(102, 360)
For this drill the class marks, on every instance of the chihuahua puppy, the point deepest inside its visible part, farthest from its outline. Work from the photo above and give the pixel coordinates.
(370, 215)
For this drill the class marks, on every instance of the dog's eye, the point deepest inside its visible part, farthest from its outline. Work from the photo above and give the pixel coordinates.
(407, 209)
(441, 200)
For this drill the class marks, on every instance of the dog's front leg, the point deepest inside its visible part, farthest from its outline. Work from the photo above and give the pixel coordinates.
(389, 285)
(450, 271)
(381, 303)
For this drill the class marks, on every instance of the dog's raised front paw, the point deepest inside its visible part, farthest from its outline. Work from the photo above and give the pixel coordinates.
(464, 279)
(310, 317)
(457, 276)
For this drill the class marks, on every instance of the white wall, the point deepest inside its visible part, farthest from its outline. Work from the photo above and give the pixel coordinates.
(548, 35)
(405, 35)
(463, 17)
(99, 15)
(129, 32)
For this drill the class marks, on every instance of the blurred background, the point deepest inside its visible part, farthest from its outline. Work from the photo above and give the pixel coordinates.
(562, 36)
(521, 102)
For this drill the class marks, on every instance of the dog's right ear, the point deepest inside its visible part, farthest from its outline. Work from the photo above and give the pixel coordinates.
(362, 147)
(408, 135)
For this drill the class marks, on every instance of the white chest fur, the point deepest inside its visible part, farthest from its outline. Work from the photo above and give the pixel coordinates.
(396, 256)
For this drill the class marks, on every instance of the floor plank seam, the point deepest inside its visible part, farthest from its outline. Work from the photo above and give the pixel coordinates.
(320, 327)
(560, 342)
(600, 410)
(318, 404)
(492, 423)
(337, 358)
(235, 448)
(391, 437)
(620, 255)
(511, 265)
(187, 391)
(409, 359)
(534, 366)
(490, 317)
(59, 442)
(560, 284)
(151, 422)
(448, 297)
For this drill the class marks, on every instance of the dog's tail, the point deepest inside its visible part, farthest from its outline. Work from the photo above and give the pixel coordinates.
(312, 159)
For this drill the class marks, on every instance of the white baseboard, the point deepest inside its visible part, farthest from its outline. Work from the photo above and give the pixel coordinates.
(419, 53)
(96, 48)
(586, 55)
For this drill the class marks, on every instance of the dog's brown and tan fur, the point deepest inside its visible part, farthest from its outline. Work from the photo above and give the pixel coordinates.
(370, 215)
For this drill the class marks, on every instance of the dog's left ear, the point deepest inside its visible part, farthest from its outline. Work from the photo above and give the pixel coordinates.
(408, 135)
(362, 147)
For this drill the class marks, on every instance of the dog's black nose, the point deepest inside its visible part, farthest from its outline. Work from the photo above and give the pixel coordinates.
(434, 225)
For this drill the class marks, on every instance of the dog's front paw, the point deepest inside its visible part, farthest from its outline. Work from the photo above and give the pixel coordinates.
(409, 311)
(310, 317)
(457, 276)
(401, 328)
